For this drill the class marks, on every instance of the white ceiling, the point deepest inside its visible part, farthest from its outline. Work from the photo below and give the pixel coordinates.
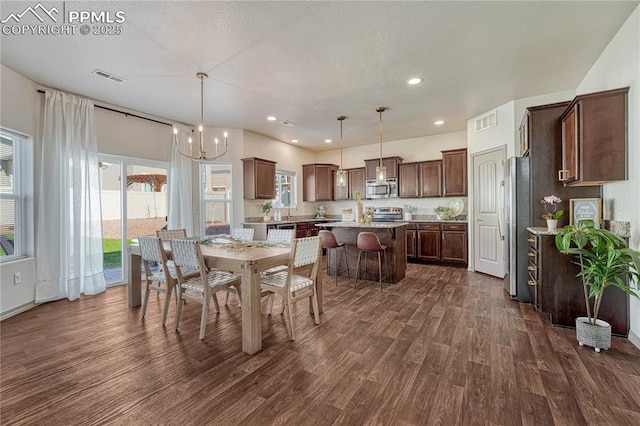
(308, 62)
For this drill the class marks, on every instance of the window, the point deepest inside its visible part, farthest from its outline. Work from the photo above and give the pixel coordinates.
(15, 184)
(285, 189)
(216, 198)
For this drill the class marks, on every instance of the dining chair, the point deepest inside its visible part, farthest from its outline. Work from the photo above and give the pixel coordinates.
(203, 287)
(170, 234)
(293, 287)
(279, 236)
(243, 234)
(165, 279)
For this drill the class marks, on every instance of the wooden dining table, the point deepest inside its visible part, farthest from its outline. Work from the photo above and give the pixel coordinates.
(248, 263)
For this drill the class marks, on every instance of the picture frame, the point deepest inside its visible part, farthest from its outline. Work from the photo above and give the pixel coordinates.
(585, 208)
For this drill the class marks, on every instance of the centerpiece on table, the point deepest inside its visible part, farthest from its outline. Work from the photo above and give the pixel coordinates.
(551, 202)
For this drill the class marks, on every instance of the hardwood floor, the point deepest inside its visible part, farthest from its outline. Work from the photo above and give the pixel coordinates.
(444, 346)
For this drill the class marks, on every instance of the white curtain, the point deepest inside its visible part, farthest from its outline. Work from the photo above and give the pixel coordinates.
(69, 222)
(179, 187)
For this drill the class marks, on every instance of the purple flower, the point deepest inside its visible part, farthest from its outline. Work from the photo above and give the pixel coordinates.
(553, 201)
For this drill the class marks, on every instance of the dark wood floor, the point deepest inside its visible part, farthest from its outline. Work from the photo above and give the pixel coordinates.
(444, 346)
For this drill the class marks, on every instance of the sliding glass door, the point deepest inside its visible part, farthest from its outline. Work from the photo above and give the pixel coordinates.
(215, 184)
(134, 203)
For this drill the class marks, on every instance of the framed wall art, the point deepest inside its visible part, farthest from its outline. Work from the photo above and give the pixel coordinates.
(584, 209)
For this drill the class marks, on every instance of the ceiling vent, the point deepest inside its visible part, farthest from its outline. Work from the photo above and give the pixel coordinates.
(287, 123)
(108, 76)
(487, 121)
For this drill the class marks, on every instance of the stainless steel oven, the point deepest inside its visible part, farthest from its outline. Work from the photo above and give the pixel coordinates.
(389, 189)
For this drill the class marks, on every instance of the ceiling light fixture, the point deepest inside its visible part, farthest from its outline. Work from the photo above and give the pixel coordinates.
(381, 171)
(414, 81)
(341, 175)
(439, 122)
(327, 141)
(294, 140)
(202, 154)
(271, 118)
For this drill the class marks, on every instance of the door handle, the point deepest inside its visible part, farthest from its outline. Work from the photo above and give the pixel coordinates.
(477, 219)
(501, 210)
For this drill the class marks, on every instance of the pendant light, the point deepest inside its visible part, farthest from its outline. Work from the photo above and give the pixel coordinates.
(341, 174)
(201, 155)
(381, 171)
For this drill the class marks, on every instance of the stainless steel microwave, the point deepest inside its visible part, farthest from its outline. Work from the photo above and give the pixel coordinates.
(389, 189)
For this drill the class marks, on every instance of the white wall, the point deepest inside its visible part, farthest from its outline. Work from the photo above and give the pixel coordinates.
(619, 66)
(21, 109)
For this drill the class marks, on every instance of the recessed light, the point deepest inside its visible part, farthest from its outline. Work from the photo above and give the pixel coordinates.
(271, 118)
(327, 141)
(294, 140)
(439, 122)
(414, 81)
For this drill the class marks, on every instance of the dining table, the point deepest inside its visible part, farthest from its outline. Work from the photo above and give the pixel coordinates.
(248, 262)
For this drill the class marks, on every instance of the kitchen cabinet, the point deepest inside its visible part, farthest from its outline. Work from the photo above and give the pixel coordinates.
(391, 163)
(594, 139)
(307, 229)
(440, 242)
(421, 179)
(259, 179)
(543, 127)
(355, 182)
(557, 292)
(317, 182)
(454, 170)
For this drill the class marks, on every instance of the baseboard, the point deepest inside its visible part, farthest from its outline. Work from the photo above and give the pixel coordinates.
(17, 310)
(634, 338)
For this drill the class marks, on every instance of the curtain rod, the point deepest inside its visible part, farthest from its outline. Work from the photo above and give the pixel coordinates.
(125, 113)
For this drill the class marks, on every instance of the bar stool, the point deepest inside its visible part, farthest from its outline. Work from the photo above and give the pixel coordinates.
(368, 242)
(329, 242)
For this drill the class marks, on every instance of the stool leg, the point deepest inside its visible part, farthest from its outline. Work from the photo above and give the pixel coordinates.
(355, 284)
(386, 264)
(335, 251)
(379, 271)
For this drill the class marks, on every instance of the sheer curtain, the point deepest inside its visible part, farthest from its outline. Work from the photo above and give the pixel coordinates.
(69, 222)
(179, 187)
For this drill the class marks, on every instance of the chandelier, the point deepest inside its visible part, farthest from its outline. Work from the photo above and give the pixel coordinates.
(341, 174)
(201, 154)
(381, 171)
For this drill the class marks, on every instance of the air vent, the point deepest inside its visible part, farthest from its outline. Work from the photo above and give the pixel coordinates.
(108, 76)
(487, 121)
(287, 123)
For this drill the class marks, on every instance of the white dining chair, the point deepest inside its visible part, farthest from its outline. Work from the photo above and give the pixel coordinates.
(243, 234)
(203, 287)
(293, 287)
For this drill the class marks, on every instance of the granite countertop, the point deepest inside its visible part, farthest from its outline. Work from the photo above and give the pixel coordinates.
(434, 221)
(620, 228)
(284, 222)
(540, 230)
(386, 225)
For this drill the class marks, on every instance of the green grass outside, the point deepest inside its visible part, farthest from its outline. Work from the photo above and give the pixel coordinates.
(2, 252)
(112, 257)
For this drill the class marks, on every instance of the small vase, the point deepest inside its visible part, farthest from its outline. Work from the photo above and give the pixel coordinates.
(408, 216)
(359, 214)
(552, 224)
(266, 218)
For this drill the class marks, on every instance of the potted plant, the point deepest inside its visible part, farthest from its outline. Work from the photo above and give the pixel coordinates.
(266, 208)
(551, 216)
(605, 260)
(443, 212)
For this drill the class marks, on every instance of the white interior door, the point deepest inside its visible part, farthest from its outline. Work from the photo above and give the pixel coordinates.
(488, 208)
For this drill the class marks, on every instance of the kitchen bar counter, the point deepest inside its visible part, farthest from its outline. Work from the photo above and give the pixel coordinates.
(391, 234)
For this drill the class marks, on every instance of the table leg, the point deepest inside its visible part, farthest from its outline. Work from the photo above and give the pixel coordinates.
(134, 291)
(251, 312)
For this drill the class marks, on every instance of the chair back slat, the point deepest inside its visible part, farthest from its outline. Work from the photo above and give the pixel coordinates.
(306, 251)
(243, 234)
(150, 249)
(170, 234)
(186, 253)
(280, 236)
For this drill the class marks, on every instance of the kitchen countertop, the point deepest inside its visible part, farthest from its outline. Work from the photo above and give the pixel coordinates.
(435, 221)
(284, 222)
(386, 225)
(540, 230)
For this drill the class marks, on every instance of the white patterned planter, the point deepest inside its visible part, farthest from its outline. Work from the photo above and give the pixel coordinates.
(597, 336)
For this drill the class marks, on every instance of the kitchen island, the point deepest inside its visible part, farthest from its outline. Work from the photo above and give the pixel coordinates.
(391, 234)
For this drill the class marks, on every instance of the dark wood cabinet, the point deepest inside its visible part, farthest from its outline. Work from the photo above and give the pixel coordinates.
(594, 139)
(391, 163)
(454, 242)
(524, 135)
(420, 179)
(355, 182)
(412, 236)
(259, 178)
(543, 128)
(428, 244)
(558, 294)
(317, 182)
(454, 170)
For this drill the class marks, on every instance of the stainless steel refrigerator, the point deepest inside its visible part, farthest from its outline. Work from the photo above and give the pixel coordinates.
(518, 218)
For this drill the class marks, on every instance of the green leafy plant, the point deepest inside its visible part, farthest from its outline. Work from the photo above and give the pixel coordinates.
(443, 211)
(266, 207)
(605, 260)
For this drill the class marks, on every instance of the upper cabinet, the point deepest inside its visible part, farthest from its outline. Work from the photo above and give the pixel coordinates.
(391, 163)
(259, 179)
(594, 139)
(355, 182)
(422, 179)
(317, 182)
(454, 170)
